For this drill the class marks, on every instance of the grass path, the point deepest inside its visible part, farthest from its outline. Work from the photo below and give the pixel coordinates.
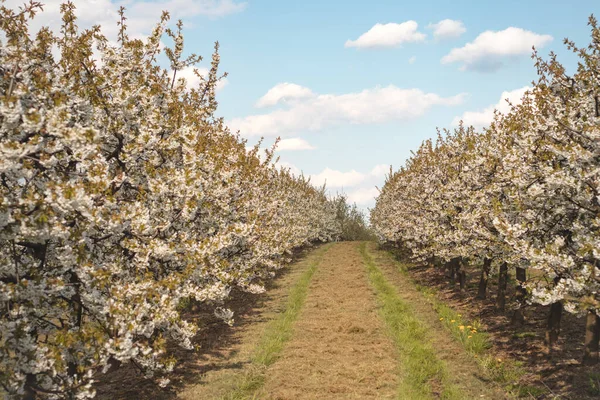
(340, 349)
(345, 324)
(423, 374)
(462, 373)
(236, 370)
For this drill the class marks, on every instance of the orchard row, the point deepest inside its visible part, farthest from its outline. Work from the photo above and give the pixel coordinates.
(522, 194)
(123, 197)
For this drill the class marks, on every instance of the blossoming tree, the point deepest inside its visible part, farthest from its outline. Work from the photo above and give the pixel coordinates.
(122, 194)
(524, 192)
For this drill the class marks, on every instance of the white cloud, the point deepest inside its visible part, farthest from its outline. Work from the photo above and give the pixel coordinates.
(380, 170)
(283, 92)
(388, 35)
(192, 81)
(142, 16)
(363, 196)
(480, 119)
(363, 185)
(412, 60)
(490, 49)
(447, 29)
(294, 144)
(370, 106)
(337, 179)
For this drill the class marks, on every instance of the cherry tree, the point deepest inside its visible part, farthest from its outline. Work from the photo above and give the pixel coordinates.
(523, 192)
(122, 194)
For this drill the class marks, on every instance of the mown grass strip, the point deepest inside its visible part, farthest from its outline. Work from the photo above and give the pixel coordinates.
(275, 336)
(423, 375)
(475, 341)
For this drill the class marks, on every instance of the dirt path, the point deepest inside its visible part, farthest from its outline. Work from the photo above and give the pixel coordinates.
(340, 349)
(350, 338)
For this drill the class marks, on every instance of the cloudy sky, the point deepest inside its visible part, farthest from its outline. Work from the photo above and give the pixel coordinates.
(352, 86)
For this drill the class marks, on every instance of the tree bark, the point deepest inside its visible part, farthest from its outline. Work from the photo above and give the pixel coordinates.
(592, 339)
(483, 280)
(553, 326)
(462, 274)
(29, 393)
(502, 278)
(452, 269)
(518, 317)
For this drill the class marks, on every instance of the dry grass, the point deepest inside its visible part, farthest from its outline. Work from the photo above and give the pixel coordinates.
(340, 349)
(443, 332)
(424, 375)
(273, 339)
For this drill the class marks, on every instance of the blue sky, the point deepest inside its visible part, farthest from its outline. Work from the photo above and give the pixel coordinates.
(361, 96)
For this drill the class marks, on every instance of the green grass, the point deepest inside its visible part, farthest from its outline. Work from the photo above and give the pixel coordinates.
(276, 334)
(467, 332)
(423, 375)
(476, 342)
(530, 392)
(594, 384)
(524, 335)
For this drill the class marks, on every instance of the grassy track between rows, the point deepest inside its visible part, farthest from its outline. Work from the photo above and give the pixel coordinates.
(275, 336)
(474, 340)
(423, 375)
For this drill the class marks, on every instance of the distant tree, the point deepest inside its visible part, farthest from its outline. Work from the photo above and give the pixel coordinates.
(351, 220)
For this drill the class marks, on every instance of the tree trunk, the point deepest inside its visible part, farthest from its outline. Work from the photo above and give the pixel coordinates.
(452, 269)
(483, 281)
(592, 339)
(29, 393)
(518, 317)
(462, 274)
(553, 327)
(502, 278)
